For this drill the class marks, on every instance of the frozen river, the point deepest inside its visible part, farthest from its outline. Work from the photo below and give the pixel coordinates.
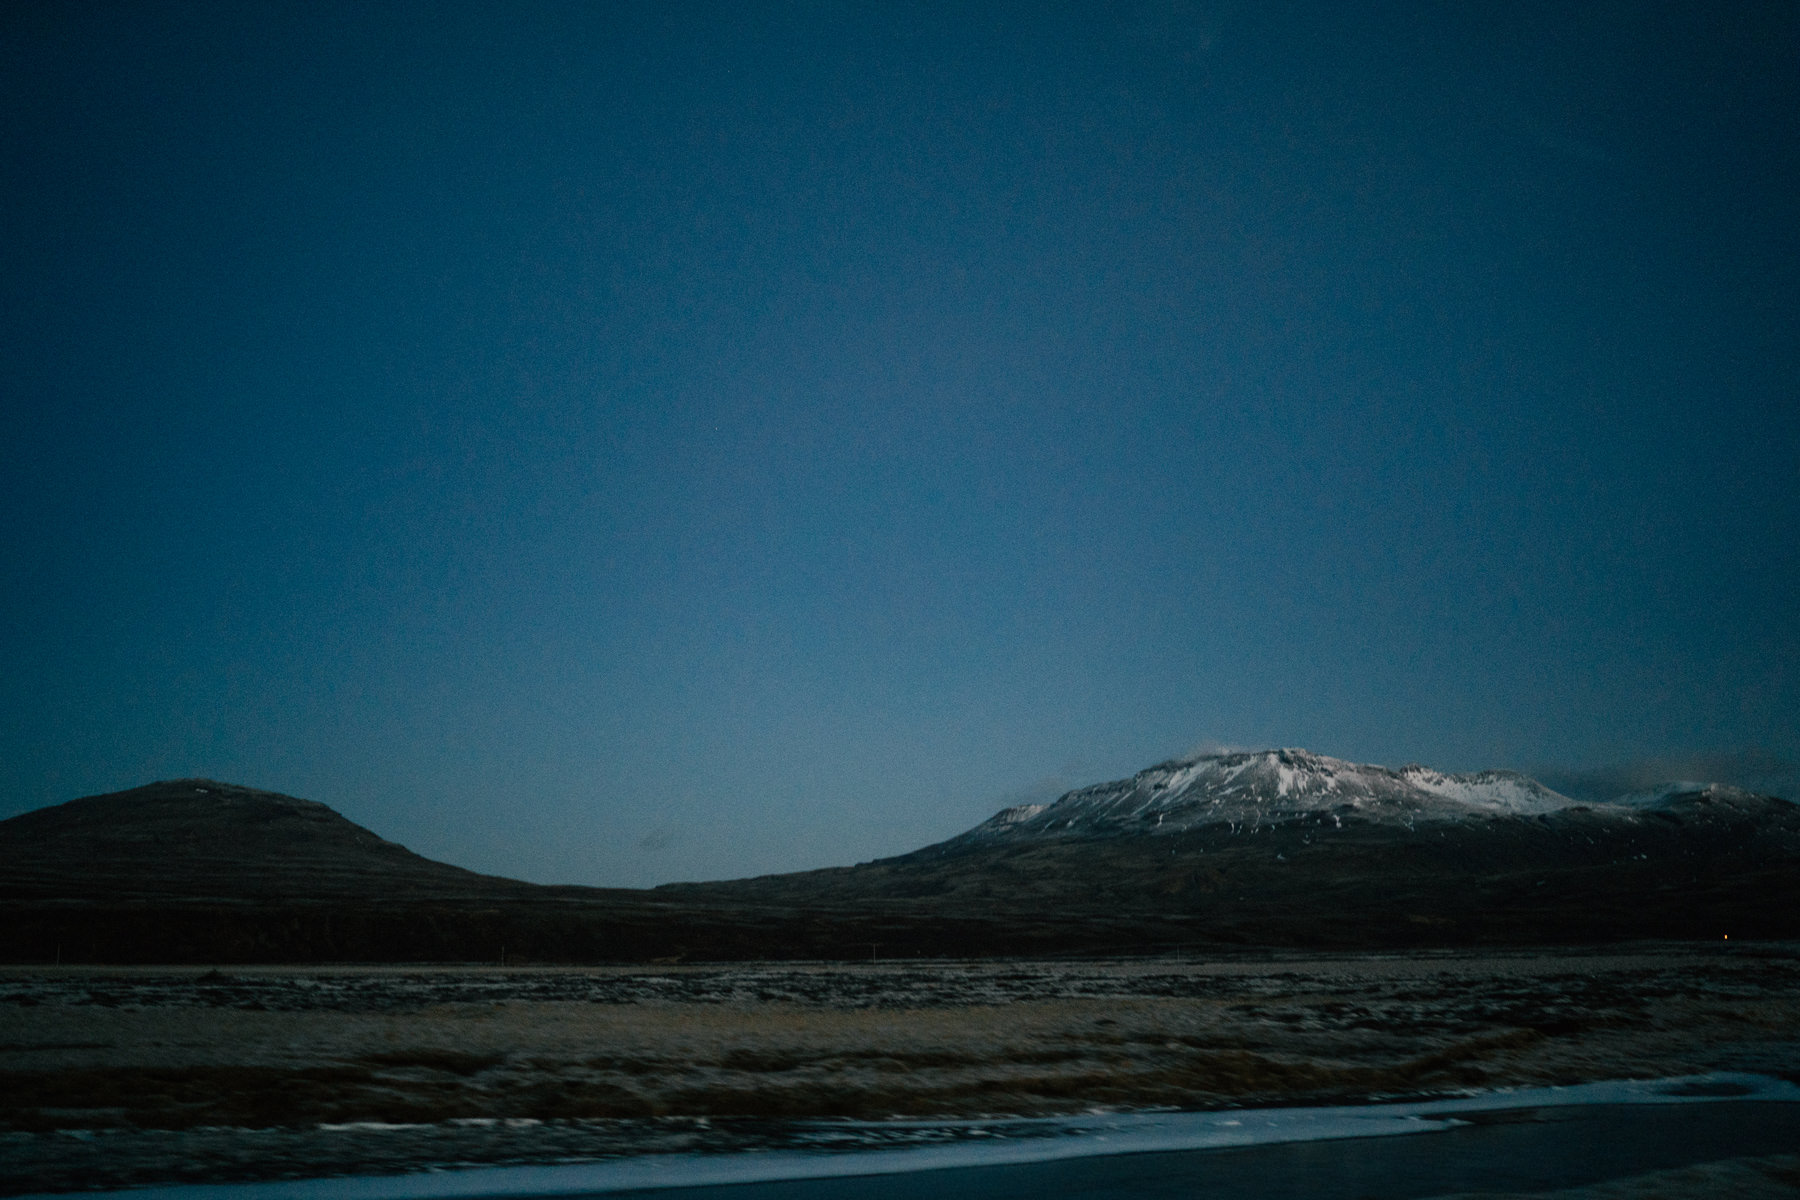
(1523, 1140)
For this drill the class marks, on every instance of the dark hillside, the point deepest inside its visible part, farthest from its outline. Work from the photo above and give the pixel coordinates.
(1703, 867)
(196, 839)
(195, 871)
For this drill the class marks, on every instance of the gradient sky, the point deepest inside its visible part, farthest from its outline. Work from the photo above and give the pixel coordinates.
(624, 443)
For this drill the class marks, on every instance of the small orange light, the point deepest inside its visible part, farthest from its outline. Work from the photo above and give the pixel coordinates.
(1728, 937)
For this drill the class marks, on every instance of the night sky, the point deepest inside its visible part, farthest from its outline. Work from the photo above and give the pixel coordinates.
(622, 443)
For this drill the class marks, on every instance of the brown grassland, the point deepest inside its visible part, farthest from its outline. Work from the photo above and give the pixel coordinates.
(114, 1076)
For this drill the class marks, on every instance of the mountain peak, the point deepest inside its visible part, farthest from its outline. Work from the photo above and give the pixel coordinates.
(1261, 787)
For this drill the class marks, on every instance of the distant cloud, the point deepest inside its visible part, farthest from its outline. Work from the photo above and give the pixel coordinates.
(1212, 746)
(1752, 770)
(658, 839)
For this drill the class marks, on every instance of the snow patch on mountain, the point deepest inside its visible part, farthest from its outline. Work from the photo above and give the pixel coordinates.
(1016, 814)
(1671, 796)
(1250, 790)
(1662, 794)
(1494, 791)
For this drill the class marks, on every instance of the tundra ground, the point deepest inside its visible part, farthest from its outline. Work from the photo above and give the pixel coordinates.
(114, 1076)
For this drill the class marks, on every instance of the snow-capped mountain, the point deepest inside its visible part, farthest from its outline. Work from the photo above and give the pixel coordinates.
(1669, 794)
(1275, 848)
(1265, 787)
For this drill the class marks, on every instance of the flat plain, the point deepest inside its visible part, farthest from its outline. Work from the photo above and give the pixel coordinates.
(112, 1076)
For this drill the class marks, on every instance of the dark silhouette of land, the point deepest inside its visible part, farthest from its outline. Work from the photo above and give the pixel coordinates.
(195, 871)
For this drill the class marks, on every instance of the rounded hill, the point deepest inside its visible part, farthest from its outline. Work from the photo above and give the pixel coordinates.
(197, 838)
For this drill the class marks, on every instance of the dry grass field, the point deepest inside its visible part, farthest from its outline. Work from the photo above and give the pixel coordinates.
(117, 1076)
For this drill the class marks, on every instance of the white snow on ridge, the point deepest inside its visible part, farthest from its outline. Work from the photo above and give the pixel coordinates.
(1256, 789)
(1497, 791)
(1658, 796)
(1017, 813)
(1248, 791)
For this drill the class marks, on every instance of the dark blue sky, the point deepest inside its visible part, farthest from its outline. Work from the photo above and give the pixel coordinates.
(606, 445)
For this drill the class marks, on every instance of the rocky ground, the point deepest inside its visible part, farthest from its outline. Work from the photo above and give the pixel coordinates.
(111, 1076)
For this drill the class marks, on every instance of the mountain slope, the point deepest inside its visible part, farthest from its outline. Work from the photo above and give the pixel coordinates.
(1277, 848)
(1263, 788)
(1293, 848)
(197, 838)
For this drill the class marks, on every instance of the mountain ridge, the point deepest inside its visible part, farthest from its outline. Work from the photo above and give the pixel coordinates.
(1254, 789)
(1258, 787)
(201, 837)
(1267, 848)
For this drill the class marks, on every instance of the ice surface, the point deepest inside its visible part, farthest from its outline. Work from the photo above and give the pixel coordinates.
(1008, 1142)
